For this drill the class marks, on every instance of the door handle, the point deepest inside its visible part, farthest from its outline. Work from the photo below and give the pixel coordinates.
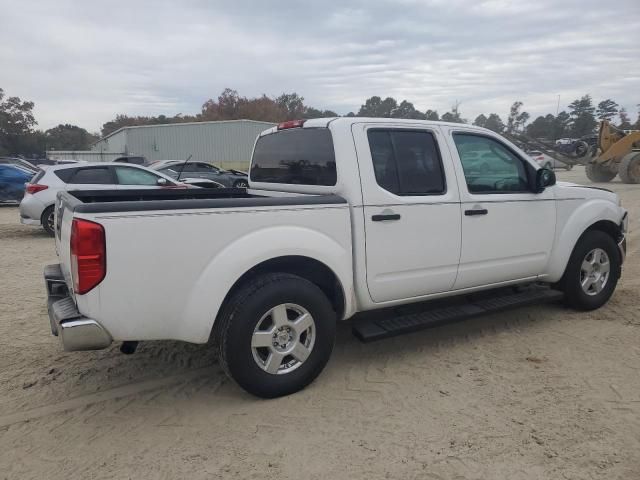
(476, 211)
(385, 217)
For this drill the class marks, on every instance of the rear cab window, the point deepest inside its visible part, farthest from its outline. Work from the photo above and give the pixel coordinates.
(300, 156)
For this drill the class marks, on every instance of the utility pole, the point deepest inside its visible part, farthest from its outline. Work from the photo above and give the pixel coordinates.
(558, 107)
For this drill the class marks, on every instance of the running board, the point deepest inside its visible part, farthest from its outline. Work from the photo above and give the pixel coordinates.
(368, 330)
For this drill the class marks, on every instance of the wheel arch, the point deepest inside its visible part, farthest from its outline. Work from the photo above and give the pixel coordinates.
(301, 251)
(305, 267)
(595, 215)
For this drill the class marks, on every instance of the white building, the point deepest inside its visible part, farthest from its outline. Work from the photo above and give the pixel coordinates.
(227, 143)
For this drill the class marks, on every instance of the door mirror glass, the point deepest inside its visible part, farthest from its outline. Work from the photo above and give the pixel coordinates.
(544, 178)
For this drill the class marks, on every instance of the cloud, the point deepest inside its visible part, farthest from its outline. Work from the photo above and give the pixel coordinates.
(83, 62)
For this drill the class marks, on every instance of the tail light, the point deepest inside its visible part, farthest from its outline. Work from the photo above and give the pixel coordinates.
(35, 188)
(88, 255)
(290, 124)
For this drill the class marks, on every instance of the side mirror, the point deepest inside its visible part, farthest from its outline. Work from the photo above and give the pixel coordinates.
(162, 182)
(544, 178)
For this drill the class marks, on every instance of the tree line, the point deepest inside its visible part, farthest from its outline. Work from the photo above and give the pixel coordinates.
(18, 134)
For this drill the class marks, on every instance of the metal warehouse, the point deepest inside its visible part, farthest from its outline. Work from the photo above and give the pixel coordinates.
(226, 143)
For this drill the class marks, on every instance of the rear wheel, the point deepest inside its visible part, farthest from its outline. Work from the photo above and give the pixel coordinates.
(276, 334)
(598, 173)
(629, 170)
(592, 272)
(48, 220)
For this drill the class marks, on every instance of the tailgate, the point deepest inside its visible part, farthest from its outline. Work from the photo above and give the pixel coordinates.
(63, 221)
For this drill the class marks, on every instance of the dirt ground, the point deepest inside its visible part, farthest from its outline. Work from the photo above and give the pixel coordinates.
(537, 393)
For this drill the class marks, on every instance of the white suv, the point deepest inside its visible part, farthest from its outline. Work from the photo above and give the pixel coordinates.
(37, 206)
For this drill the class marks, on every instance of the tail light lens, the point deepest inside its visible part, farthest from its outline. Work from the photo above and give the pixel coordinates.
(35, 188)
(88, 255)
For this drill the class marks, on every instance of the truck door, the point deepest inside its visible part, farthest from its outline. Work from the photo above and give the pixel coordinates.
(507, 229)
(411, 211)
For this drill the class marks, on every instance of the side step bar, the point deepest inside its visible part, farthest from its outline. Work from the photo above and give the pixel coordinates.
(368, 330)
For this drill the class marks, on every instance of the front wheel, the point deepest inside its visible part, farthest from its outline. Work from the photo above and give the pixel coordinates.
(592, 272)
(629, 169)
(240, 184)
(275, 335)
(598, 173)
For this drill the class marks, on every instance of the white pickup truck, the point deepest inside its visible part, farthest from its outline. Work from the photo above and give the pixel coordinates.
(343, 215)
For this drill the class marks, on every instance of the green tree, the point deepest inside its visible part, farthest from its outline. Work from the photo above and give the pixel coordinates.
(625, 122)
(454, 115)
(376, 107)
(583, 120)
(407, 110)
(607, 109)
(311, 112)
(68, 137)
(480, 120)
(431, 115)
(292, 105)
(494, 123)
(514, 111)
(16, 124)
(540, 127)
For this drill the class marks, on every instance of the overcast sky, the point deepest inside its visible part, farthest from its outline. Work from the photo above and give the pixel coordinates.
(83, 62)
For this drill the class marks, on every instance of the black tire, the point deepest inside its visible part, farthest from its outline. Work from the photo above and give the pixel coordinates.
(598, 174)
(46, 219)
(240, 316)
(629, 169)
(570, 284)
(240, 184)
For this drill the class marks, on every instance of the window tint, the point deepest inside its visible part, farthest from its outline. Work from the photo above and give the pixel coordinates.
(489, 166)
(406, 162)
(65, 174)
(303, 156)
(96, 175)
(135, 176)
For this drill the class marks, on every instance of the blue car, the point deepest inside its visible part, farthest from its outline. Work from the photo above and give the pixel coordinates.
(12, 181)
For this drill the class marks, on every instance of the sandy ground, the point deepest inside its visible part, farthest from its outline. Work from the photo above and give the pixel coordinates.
(538, 393)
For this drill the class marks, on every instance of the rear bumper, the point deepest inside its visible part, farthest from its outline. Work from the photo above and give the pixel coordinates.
(75, 331)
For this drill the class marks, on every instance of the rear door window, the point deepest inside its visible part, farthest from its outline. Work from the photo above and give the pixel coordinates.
(301, 156)
(93, 176)
(407, 162)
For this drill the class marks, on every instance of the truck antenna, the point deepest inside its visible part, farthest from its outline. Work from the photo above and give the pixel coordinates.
(183, 165)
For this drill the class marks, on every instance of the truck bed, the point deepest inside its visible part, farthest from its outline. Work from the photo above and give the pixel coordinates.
(100, 201)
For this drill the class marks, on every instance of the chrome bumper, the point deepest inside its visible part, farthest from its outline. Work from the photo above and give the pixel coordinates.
(75, 331)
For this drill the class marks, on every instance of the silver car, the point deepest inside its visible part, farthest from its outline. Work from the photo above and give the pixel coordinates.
(37, 205)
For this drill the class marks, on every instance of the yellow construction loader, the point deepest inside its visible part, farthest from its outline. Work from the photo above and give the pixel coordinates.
(615, 154)
(612, 152)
